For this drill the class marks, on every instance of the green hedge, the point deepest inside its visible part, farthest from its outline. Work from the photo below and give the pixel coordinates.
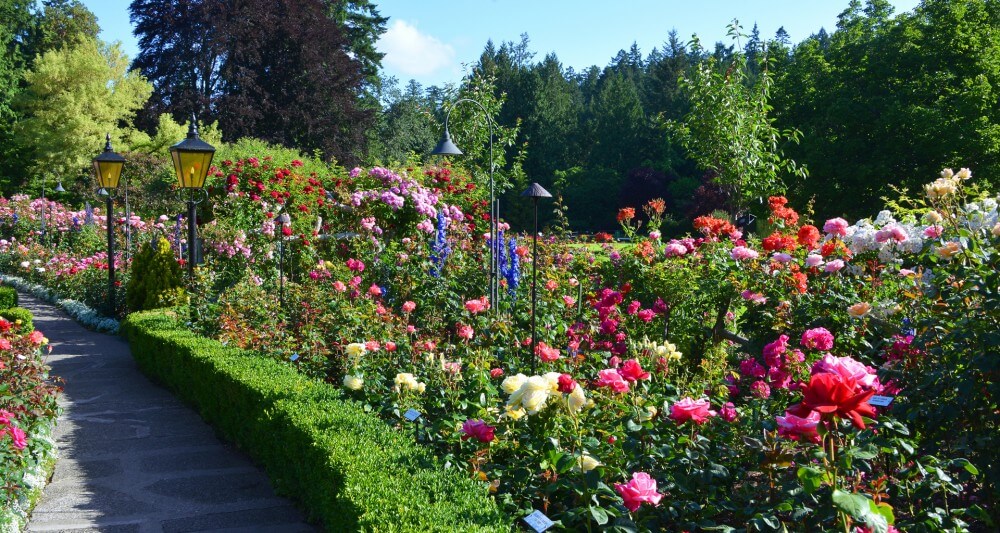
(348, 468)
(8, 297)
(19, 313)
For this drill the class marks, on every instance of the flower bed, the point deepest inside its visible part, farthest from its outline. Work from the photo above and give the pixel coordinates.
(28, 414)
(718, 380)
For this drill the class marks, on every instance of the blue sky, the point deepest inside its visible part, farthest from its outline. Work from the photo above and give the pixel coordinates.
(433, 41)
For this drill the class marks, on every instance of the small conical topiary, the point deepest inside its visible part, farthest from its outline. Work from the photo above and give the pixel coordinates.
(156, 277)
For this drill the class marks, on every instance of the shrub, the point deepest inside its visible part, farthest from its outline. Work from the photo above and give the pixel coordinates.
(156, 277)
(8, 297)
(19, 313)
(349, 470)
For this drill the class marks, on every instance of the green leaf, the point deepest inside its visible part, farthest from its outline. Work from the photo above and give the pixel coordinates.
(599, 514)
(855, 505)
(811, 478)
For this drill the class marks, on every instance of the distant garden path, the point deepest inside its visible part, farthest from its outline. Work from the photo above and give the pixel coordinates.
(133, 458)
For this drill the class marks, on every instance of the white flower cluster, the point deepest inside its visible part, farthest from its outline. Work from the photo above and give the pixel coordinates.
(80, 311)
(885, 235)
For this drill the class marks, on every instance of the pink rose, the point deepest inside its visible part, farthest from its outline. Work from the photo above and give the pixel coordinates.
(760, 389)
(675, 249)
(496, 372)
(836, 226)
(933, 232)
(339, 286)
(740, 253)
(479, 430)
(834, 265)
(849, 368)
(728, 412)
(375, 290)
(546, 353)
(355, 265)
(390, 346)
(689, 409)
(817, 339)
(639, 490)
(409, 306)
(611, 378)
(773, 351)
(646, 315)
(477, 305)
(814, 260)
(632, 371)
(36, 338)
(464, 331)
(569, 301)
(795, 427)
(20, 439)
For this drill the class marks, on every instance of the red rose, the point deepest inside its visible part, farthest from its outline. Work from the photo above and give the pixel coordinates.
(834, 394)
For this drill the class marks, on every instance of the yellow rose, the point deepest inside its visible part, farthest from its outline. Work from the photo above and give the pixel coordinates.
(576, 400)
(532, 395)
(933, 217)
(553, 379)
(940, 188)
(647, 414)
(405, 380)
(353, 382)
(514, 414)
(587, 463)
(964, 174)
(512, 383)
(356, 349)
(859, 309)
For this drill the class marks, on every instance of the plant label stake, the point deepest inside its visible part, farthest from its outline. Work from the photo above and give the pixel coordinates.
(880, 401)
(413, 415)
(538, 521)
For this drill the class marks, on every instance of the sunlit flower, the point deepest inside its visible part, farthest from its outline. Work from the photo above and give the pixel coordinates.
(859, 309)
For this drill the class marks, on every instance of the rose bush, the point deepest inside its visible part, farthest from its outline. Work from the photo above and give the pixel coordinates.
(717, 380)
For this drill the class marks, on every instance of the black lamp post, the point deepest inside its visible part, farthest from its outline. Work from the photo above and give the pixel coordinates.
(192, 158)
(447, 147)
(534, 192)
(108, 169)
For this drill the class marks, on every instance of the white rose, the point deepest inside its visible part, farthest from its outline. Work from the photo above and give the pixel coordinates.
(576, 400)
(587, 463)
(353, 382)
(512, 383)
(356, 349)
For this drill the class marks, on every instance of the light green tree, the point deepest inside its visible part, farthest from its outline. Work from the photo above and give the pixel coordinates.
(73, 97)
(729, 130)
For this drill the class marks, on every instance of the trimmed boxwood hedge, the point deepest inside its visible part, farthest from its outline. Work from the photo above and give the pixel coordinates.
(347, 468)
(8, 297)
(19, 313)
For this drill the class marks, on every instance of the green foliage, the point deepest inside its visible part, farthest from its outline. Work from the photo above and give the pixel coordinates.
(8, 297)
(74, 96)
(14, 314)
(61, 24)
(728, 129)
(350, 470)
(156, 277)
(890, 100)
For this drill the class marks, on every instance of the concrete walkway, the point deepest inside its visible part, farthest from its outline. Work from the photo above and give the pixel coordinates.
(133, 458)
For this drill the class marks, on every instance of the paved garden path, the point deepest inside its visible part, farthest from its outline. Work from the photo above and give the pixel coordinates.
(133, 458)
